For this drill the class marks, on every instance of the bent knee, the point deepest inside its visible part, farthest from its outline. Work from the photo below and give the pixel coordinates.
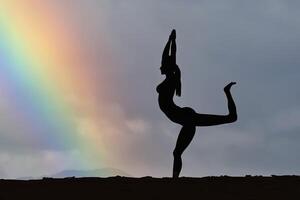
(233, 118)
(177, 153)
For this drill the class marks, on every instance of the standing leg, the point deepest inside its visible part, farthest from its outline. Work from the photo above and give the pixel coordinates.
(184, 139)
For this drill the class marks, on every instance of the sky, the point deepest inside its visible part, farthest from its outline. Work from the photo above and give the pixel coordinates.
(78, 79)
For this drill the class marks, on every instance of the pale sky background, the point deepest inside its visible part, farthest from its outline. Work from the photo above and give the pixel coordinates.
(255, 43)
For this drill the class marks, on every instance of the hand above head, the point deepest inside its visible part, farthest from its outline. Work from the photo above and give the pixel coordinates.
(228, 87)
(172, 35)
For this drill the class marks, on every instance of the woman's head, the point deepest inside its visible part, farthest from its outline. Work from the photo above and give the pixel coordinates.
(167, 66)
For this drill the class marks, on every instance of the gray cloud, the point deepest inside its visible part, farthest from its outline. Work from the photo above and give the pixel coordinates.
(255, 43)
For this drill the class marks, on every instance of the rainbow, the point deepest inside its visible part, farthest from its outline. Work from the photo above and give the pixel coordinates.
(42, 67)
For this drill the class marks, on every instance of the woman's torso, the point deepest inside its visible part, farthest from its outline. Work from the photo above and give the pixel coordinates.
(166, 91)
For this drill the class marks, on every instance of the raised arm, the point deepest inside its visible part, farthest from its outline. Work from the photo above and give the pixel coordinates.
(165, 55)
(173, 46)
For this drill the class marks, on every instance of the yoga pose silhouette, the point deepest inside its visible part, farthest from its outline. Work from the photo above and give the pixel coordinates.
(185, 116)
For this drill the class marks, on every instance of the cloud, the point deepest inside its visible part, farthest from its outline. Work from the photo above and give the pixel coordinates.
(284, 121)
(255, 43)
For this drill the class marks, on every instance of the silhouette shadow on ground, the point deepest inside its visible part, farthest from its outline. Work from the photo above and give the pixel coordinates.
(224, 187)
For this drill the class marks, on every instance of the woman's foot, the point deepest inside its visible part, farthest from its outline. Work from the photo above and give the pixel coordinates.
(228, 87)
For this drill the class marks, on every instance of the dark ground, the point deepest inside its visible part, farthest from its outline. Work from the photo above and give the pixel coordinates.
(255, 187)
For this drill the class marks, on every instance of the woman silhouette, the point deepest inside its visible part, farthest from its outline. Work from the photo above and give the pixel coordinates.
(185, 116)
